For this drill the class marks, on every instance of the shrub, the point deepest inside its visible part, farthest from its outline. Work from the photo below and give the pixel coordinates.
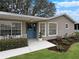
(60, 48)
(6, 44)
(75, 36)
(70, 40)
(66, 42)
(59, 38)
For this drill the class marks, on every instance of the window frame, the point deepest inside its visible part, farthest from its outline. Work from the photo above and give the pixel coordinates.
(56, 29)
(44, 29)
(65, 25)
(11, 29)
(16, 29)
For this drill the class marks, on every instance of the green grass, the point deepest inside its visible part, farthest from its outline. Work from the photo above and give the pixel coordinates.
(72, 53)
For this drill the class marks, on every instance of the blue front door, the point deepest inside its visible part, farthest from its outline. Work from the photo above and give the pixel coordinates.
(31, 30)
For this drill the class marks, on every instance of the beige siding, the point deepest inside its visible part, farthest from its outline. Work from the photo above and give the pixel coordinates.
(61, 21)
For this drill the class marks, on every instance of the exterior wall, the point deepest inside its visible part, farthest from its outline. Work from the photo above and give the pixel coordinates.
(61, 22)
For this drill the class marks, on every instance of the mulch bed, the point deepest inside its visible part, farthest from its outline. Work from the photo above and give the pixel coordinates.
(62, 44)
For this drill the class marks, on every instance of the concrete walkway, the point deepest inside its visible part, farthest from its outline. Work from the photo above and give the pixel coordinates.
(34, 45)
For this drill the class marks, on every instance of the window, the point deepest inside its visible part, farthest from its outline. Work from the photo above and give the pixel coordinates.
(42, 28)
(66, 26)
(52, 28)
(10, 29)
(16, 28)
(75, 26)
(5, 30)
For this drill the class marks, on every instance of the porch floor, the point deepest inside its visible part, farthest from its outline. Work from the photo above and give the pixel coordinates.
(33, 45)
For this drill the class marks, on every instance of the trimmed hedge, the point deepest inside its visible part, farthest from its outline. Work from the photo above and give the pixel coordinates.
(6, 44)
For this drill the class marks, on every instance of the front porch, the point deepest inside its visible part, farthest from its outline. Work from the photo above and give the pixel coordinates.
(34, 45)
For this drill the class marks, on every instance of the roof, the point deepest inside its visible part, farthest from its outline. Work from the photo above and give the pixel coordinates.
(65, 15)
(13, 16)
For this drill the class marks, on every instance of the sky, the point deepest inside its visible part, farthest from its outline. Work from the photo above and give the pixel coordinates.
(70, 7)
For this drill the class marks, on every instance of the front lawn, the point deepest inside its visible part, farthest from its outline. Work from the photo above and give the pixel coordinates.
(72, 53)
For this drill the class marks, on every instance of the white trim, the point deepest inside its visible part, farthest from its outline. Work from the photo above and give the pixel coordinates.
(7, 15)
(56, 29)
(11, 25)
(11, 29)
(45, 28)
(21, 29)
(65, 26)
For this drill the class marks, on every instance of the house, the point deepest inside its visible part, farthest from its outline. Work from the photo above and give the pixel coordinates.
(76, 27)
(33, 27)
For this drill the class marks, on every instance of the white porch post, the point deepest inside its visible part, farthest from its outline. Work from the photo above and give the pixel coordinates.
(40, 39)
(21, 30)
(11, 30)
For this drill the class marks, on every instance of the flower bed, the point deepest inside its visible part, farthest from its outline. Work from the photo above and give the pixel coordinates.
(63, 44)
(6, 44)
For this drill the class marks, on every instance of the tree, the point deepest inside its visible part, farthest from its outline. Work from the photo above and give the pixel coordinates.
(3, 5)
(41, 8)
(44, 9)
(27, 6)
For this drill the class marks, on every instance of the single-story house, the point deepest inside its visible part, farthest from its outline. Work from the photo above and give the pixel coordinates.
(33, 27)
